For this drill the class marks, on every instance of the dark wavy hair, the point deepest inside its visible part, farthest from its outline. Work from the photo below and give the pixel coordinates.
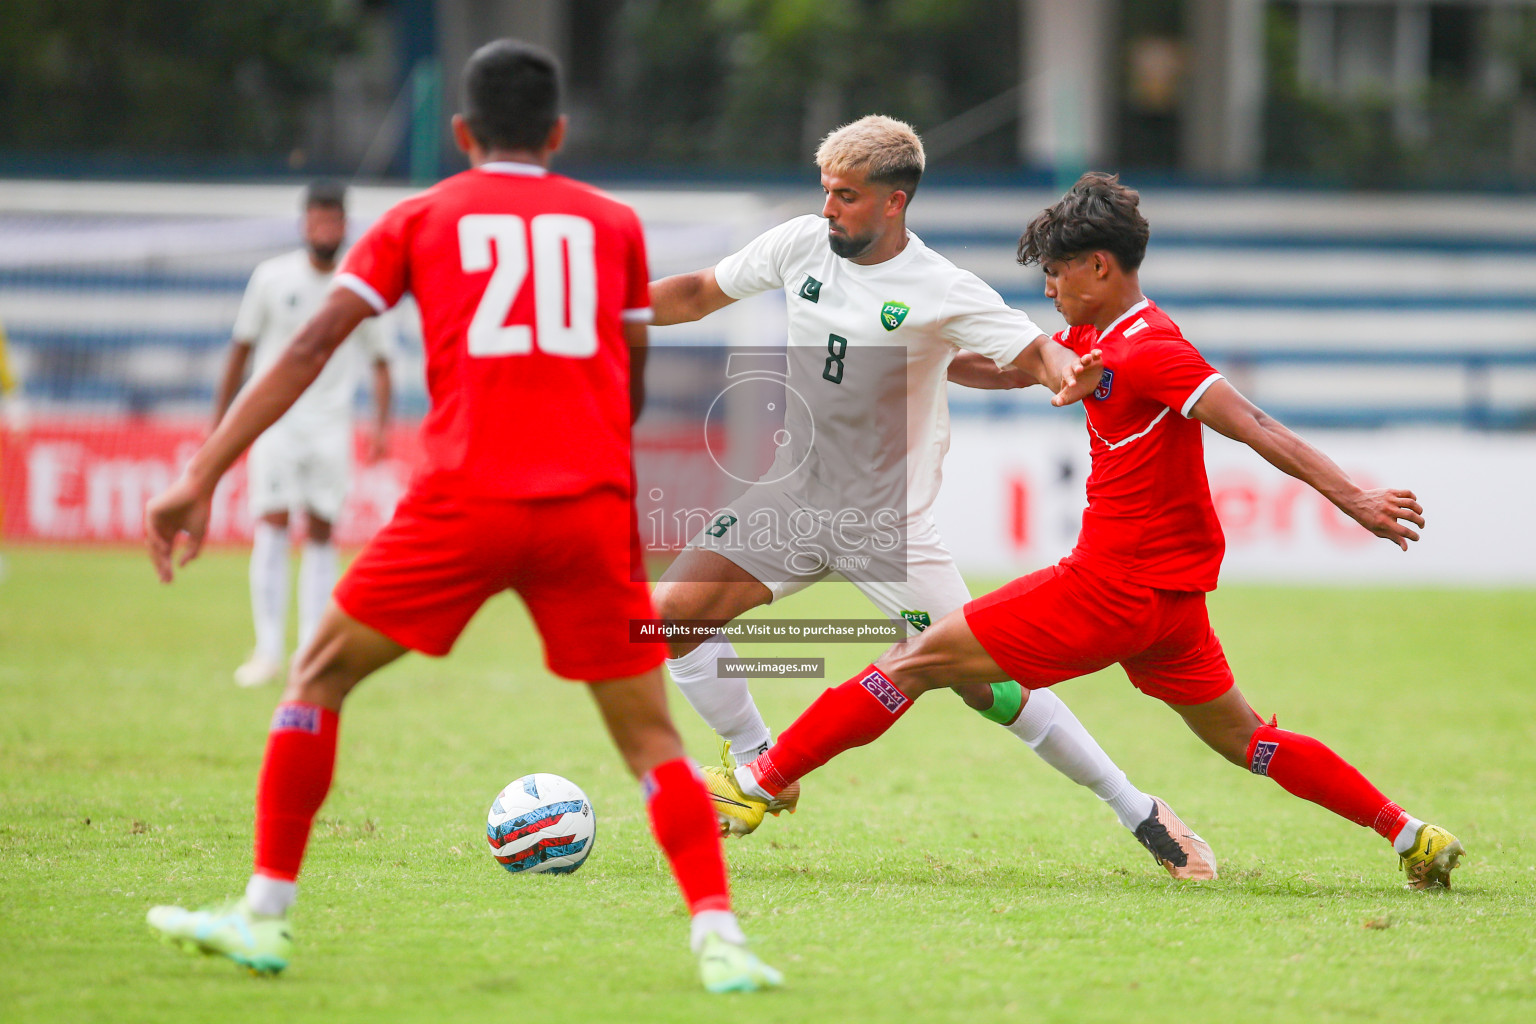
(1097, 214)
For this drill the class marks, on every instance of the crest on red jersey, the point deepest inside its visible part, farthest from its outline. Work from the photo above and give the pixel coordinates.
(1106, 381)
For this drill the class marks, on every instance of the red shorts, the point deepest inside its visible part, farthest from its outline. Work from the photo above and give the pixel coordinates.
(1063, 622)
(425, 574)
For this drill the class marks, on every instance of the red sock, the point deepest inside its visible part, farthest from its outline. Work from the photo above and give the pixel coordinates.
(296, 775)
(844, 717)
(1308, 769)
(683, 821)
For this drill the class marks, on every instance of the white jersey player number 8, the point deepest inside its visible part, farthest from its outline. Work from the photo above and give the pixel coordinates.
(564, 274)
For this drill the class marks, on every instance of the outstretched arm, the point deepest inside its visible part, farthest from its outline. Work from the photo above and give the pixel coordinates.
(684, 298)
(974, 370)
(1056, 366)
(183, 507)
(1384, 512)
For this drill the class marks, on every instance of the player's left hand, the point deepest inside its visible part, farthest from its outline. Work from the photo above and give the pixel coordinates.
(1386, 513)
(181, 508)
(1080, 379)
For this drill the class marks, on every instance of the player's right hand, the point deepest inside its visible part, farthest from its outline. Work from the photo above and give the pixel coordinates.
(181, 508)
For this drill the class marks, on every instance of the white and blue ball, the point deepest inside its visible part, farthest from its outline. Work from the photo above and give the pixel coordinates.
(541, 823)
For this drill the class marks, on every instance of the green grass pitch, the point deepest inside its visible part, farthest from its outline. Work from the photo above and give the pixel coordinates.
(941, 874)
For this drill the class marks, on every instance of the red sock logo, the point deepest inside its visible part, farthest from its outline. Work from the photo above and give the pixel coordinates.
(296, 717)
(884, 691)
(1263, 753)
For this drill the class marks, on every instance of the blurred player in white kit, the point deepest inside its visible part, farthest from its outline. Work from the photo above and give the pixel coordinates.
(304, 462)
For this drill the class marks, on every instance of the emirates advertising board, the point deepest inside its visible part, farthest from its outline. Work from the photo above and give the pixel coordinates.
(1012, 495)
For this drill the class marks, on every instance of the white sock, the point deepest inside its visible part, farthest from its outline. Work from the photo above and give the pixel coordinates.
(317, 577)
(269, 897)
(748, 783)
(726, 704)
(1405, 839)
(714, 922)
(269, 589)
(1053, 731)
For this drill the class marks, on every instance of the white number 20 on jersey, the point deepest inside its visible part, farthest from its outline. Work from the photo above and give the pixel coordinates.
(564, 277)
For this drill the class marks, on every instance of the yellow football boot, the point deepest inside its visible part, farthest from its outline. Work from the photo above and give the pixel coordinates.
(739, 812)
(788, 800)
(1432, 859)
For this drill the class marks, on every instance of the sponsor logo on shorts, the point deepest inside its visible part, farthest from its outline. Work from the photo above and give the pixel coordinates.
(919, 620)
(1106, 381)
(883, 690)
(1262, 754)
(296, 718)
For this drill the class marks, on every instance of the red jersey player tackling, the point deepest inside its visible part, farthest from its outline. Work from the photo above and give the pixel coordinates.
(533, 292)
(1133, 590)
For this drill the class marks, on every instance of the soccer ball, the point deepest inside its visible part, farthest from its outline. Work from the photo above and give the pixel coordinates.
(541, 823)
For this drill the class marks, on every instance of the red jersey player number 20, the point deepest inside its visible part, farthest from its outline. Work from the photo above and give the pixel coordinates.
(564, 278)
(505, 261)
(524, 281)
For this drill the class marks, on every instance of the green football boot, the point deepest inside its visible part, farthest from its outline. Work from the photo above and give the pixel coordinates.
(260, 944)
(729, 967)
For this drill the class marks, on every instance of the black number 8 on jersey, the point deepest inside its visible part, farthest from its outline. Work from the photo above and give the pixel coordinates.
(836, 348)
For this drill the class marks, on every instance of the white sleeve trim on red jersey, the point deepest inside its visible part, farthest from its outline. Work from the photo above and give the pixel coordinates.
(1194, 396)
(638, 315)
(363, 290)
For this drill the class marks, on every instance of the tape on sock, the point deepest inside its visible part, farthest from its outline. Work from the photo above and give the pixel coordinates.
(1007, 699)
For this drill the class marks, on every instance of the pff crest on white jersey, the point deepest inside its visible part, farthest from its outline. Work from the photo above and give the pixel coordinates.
(869, 351)
(853, 330)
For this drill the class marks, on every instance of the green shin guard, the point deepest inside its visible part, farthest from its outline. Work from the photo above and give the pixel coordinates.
(1007, 699)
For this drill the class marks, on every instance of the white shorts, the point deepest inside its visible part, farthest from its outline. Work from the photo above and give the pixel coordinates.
(300, 468)
(769, 534)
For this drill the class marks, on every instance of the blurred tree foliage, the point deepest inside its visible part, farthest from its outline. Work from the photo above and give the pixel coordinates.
(1463, 129)
(165, 76)
(758, 82)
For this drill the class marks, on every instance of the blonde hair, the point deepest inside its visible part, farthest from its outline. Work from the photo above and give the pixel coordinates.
(881, 148)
